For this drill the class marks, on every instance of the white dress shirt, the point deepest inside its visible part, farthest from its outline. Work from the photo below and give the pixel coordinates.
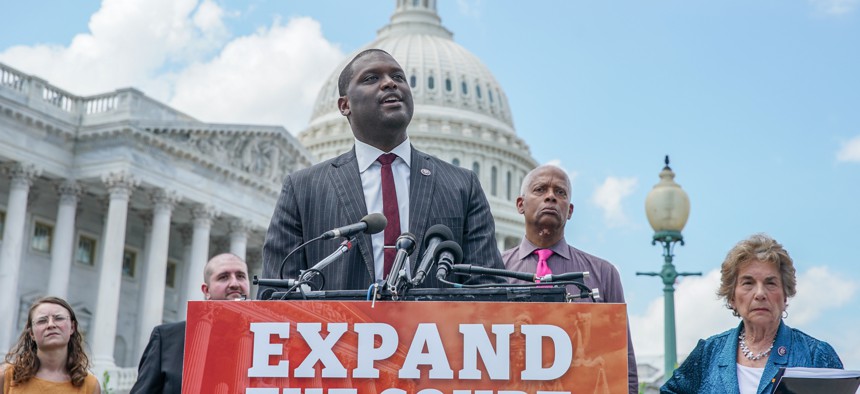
(371, 182)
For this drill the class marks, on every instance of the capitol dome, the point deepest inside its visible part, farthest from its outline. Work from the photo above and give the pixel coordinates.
(461, 112)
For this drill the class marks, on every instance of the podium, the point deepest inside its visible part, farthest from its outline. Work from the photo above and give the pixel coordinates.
(343, 346)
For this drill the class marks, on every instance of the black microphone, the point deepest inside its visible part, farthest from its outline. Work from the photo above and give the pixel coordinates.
(370, 224)
(473, 269)
(279, 283)
(434, 236)
(565, 276)
(448, 253)
(405, 246)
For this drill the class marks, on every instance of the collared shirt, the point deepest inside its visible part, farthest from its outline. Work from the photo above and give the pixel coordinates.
(565, 258)
(601, 275)
(371, 182)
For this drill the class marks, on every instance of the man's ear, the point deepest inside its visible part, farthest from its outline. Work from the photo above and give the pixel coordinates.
(520, 208)
(570, 212)
(343, 106)
(205, 288)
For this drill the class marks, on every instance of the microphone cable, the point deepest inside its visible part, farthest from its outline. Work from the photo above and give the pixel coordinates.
(284, 261)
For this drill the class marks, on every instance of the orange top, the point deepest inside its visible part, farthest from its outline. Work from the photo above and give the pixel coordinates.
(36, 385)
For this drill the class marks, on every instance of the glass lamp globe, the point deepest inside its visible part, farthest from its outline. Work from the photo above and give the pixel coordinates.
(667, 205)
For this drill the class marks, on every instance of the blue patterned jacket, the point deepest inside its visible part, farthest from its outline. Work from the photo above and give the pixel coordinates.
(712, 366)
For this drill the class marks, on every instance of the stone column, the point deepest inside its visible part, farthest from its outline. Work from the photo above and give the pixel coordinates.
(152, 297)
(255, 268)
(186, 234)
(13, 241)
(203, 216)
(63, 247)
(103, 335)
(239, 237)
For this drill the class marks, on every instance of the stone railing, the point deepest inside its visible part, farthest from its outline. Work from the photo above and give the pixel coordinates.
(100, 103)
(12, 79)
(38, 94)
(121, 379)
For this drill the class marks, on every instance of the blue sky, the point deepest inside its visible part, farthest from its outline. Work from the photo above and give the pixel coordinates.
(755, 102)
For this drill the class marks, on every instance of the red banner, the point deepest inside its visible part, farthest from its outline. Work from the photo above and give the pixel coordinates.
(356, 347)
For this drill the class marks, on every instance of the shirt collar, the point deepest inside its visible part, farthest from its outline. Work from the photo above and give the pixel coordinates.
(366, 154)
(560, 248)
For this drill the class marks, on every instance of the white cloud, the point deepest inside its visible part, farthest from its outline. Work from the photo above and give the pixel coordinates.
(699, 314)
(835, 7)
(850, 151)
(818, 290)
(128, 42)
(608, 197)
(270, 77)
(180, 52)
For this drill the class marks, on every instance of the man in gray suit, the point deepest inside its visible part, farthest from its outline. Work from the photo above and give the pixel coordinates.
(377, 101)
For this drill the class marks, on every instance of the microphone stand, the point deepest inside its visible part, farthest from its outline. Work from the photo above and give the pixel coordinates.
(310, 273)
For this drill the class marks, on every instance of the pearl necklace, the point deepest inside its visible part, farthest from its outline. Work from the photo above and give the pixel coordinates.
(748, 353)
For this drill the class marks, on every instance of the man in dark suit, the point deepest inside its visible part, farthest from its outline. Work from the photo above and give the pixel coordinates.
(377, 101)
(225, 277)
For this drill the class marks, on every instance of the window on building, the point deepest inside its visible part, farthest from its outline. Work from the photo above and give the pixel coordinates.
(86, 253)
(493, 180)
(42, 235)
(478, 91)
(490, 95)
(431, 82)
(465, 88)
(455, 162)
(448, 84)
(129, 261)
(2, 223)
(476, 168)
(170, 276)
(413, 81)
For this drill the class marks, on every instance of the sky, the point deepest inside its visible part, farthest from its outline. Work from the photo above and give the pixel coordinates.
(755, 102)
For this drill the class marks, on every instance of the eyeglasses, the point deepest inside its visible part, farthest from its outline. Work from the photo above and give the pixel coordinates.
(43, 321)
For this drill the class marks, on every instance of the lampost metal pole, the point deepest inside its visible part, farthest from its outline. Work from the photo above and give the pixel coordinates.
(668, 207)
(668, 274)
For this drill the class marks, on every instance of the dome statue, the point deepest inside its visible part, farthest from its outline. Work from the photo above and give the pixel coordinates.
(461, 112)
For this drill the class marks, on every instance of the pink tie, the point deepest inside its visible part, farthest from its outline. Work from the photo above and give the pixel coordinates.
(542, 267)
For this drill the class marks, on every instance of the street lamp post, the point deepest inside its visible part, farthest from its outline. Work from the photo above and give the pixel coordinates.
(668, 207)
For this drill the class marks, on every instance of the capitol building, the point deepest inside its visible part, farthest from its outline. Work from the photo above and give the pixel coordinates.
(116, 201)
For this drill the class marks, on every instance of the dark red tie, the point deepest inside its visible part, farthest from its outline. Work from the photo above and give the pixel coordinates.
(390, 210)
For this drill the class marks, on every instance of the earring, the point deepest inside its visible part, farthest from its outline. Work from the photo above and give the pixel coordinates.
(785, 312)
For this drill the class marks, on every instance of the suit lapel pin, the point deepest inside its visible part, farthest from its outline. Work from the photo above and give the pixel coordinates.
(425, 172)
(782, 350)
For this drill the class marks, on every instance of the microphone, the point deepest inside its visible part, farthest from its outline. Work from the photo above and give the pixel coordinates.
(434, 236)
(370, 224)
(279, 283)
(448, 253)
(472, 269)
(565, 276)
(405, 246)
